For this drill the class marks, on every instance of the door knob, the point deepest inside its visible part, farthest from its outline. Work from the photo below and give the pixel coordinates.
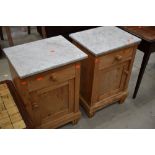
(35, 105)
(53, 77)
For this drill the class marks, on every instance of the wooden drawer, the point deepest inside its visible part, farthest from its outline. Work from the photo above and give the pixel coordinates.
(115, 57)
(51, 78)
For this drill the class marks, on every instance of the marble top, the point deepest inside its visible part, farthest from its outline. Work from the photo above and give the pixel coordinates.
(39, 56)
(104, 39)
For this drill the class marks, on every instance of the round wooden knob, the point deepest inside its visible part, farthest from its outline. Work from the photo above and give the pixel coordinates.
(35, 105)
(53, 77)
(118, 57)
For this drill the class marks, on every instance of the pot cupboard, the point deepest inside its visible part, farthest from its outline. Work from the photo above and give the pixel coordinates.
(46, 73)
(105, 74)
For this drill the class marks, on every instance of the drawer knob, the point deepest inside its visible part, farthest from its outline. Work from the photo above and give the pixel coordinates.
(118, 57)
(53, 77)
(34, 105)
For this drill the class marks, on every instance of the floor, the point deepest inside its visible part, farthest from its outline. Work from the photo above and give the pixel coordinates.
(133, 114)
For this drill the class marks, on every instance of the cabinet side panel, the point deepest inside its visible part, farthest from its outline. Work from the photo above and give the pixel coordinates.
(130, 67)
(21, 88)
(77, 86)
(87, 74)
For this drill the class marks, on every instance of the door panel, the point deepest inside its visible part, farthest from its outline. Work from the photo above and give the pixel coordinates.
(112, 80)
(53, 102)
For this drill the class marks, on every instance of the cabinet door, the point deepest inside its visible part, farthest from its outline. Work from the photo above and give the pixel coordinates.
(52, 102)
(112, 80)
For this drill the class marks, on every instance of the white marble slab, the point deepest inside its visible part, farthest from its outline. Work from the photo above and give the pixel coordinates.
(39, 56)
(104, 39)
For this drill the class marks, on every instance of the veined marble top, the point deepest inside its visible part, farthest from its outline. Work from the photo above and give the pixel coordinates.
(104, 39)
(43, 55)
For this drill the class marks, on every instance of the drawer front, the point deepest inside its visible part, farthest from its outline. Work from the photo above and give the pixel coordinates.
(51, 78)
(115, 57)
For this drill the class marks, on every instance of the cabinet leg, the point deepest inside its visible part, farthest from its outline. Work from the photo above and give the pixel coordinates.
(121, 101)
(74, 122)
(91, 114)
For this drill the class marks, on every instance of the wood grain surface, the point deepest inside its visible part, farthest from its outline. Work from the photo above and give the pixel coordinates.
(10, 116)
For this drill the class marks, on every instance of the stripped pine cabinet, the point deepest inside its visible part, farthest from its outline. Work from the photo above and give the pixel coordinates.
(50, 96)
(51, 92)
(106, 72)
